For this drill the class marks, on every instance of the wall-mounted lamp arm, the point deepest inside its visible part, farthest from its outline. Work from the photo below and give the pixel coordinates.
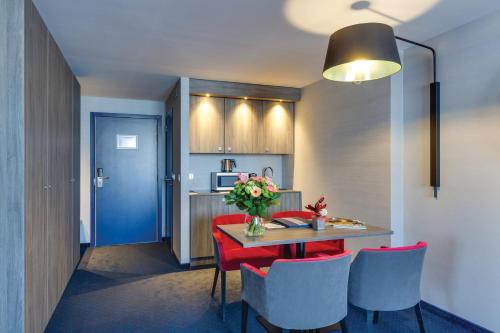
(426, 47)
(434, 120)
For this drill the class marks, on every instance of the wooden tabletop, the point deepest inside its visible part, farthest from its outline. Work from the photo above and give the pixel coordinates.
(297, 235)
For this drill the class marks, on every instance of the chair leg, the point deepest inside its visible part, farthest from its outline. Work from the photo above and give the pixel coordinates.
(343, 326)
(375, 317)
(418, 312)
(222, 294)
(216, 277)
(369, 321)
(244, 316)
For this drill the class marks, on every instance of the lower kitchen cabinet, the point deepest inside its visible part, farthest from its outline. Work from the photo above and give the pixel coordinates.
(288, 201)
(204, 207)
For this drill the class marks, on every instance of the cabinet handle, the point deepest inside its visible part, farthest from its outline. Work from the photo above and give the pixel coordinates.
(49, 187)
(267, 150)
(228, 148)
(45, 187)
(219, 149)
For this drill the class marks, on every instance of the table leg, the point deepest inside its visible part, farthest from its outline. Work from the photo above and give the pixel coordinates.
(300, 250)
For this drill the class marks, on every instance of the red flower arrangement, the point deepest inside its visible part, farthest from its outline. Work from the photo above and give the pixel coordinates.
(319, 208)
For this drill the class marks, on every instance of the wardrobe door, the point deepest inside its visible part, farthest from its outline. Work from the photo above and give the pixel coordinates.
(67, 185)
(56, 228)
(36, 185)
(75, 179)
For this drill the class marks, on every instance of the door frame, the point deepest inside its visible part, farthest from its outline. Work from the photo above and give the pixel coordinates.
(93, 116)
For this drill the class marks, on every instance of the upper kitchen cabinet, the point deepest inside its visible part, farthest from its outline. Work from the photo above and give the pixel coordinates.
(278, 127)
(243, 131)
(206, 125)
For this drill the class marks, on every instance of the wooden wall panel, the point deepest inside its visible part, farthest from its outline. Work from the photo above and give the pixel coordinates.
(35, 234)
(11, 165)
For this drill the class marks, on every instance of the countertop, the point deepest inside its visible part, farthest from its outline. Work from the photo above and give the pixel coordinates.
(208, 192)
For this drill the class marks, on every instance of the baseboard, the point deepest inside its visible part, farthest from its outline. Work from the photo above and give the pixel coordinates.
(469, 326)
(202, 263)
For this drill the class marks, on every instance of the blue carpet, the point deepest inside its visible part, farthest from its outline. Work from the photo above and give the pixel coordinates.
(140, 288)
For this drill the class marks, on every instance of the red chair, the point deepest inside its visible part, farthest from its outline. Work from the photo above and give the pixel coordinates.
(312, 249)
(229, 255)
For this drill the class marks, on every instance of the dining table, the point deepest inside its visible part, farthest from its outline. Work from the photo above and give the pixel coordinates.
(297, 236)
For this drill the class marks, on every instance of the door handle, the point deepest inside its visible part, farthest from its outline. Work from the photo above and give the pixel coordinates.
(99, 181)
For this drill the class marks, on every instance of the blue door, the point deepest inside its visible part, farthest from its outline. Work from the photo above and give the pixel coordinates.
(125, 173)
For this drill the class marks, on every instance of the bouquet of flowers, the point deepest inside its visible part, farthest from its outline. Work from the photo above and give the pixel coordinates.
(319, 208)
(254, 195)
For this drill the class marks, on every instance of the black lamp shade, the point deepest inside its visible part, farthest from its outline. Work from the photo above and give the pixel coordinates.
(362, 52)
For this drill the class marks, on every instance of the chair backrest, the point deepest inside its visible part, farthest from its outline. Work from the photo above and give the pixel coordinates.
(307, 293)
(228, 219)
(293, 213)
(387, 279)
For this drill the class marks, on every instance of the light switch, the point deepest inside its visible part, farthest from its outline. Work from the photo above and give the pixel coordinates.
(191, 176)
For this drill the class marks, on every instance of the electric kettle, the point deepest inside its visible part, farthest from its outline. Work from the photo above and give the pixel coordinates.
(227, 165)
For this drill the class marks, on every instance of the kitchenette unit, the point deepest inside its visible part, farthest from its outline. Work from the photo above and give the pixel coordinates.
(236, 128)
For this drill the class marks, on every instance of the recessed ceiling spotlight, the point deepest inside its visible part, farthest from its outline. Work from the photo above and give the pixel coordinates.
(208, 95)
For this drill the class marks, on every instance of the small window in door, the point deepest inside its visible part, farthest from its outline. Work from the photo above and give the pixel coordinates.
(124, 141)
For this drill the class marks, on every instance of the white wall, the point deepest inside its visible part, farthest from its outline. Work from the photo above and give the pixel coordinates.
(397, 160)
(110, 105)
(462, 227)
(178, 103)
(342, 151)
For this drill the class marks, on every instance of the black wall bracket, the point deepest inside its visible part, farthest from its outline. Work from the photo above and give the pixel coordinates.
(435, 110)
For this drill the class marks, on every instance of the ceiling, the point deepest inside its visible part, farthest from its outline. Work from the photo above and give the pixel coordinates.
(137, 49)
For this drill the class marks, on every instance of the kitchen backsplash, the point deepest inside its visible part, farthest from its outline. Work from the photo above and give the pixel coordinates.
(201, 165)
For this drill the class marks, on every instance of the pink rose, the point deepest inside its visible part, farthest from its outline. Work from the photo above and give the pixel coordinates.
(242, 177)
(256, 192)
(271, 188)
(256, 178)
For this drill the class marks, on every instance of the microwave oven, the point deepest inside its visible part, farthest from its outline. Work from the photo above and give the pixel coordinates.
(224, 181)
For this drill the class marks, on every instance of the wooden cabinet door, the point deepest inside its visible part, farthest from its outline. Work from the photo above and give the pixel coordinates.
(278, 127)
(243, 133)
(35, 207)
(288, 201)
(59, 238)
(203, 209)
(206, 124)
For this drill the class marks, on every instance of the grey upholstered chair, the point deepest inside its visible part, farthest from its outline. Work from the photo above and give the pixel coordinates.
(299, 294)
(387, 279)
